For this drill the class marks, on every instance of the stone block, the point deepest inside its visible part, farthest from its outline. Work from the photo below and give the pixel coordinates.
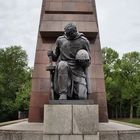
(39, 99)
(58, 26)
(70, 0)
(100, 85)
(50, 137)
(69, 17)
(54, 29)
(98, 57)
(96, 71)
(91, 137)
(68, 7)
(85, 119)
(58, 119)
(111, 135)
(71, 137)
(41, 85)
(40, 71)
(15, 135)
(31, 136)
(35, 114)
(41, 57)
(129, 135)
(10, 136)
(45, 46)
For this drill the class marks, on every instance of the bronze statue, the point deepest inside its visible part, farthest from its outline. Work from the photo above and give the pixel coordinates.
(72, 57)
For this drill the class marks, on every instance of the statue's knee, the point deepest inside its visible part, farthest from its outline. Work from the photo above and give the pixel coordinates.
(63, 65)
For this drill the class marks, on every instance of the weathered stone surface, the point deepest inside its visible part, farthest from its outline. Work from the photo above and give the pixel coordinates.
(40, 85)
(31, 136)
(85, 119)
(34, 131)
(91, 137)
(71, 0)
(40, 71)
(71, 102)
(50, 137)
(129, 135)
(57, 119)
(69, 17)
(96, 71)
(39, 97)
(41, 57)
(68, 7)
(71, 137)
(5, 135)
(36, 114)
(51, 28)
(109, 136)
(37, 101)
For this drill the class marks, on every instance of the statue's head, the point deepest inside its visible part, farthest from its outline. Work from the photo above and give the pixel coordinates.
(70, 31)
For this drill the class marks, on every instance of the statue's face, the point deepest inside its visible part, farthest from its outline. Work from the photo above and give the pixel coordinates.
(70, 31)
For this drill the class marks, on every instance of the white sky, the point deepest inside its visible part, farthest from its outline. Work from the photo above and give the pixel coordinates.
(119, 24)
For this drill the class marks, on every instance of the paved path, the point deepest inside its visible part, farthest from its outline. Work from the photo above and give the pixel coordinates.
(25, 126)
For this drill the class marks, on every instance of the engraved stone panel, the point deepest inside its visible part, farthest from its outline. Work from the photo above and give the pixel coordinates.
(85, 119)
(53, 29)
(50, 137)
(69, 17)
(71, 137)
(91, 137)
(68, 6)
(57, 119)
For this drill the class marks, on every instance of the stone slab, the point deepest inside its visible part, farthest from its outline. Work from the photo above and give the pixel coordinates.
(85, 119)
(12, 135)
(71, 102)
(68, 7)
(91, 137)
(34, 131)
(57, 119)
(71, 137)
(109, 135)
(69, 17)
(55, 29)
(129, 135)
(50, 137)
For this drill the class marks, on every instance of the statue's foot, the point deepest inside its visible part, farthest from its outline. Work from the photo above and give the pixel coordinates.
(63, 97)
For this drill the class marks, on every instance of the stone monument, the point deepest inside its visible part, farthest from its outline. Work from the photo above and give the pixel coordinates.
(76, 119)
(72, 57)
(73, 116)
(55, 15)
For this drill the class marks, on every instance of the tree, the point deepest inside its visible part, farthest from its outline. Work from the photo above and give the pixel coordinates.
(23, 95)
(130, 67)
(122, 79)
(112, 76)
(13, 75)
(110, 58)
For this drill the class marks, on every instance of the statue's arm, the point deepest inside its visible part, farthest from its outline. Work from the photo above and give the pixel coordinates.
(87, 47)
(56, 51)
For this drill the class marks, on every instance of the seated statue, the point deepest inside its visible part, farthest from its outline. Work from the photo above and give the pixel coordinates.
(72, 57)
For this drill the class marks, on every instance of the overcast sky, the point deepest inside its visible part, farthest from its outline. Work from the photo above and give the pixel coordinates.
(119, 24)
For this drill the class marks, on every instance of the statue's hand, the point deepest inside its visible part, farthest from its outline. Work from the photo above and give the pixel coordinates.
(50, 53)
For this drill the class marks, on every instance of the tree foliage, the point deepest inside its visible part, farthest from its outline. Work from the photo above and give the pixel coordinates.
(122, 78)
(14, 75)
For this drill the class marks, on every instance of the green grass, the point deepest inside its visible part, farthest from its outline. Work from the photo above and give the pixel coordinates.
(133, 121)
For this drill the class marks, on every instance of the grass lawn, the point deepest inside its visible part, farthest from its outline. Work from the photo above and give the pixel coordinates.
(133, 121)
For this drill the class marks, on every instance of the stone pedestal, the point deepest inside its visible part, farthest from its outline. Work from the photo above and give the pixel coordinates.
(71, 122)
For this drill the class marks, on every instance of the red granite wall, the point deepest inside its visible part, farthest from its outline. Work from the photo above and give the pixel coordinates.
(54, 16)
